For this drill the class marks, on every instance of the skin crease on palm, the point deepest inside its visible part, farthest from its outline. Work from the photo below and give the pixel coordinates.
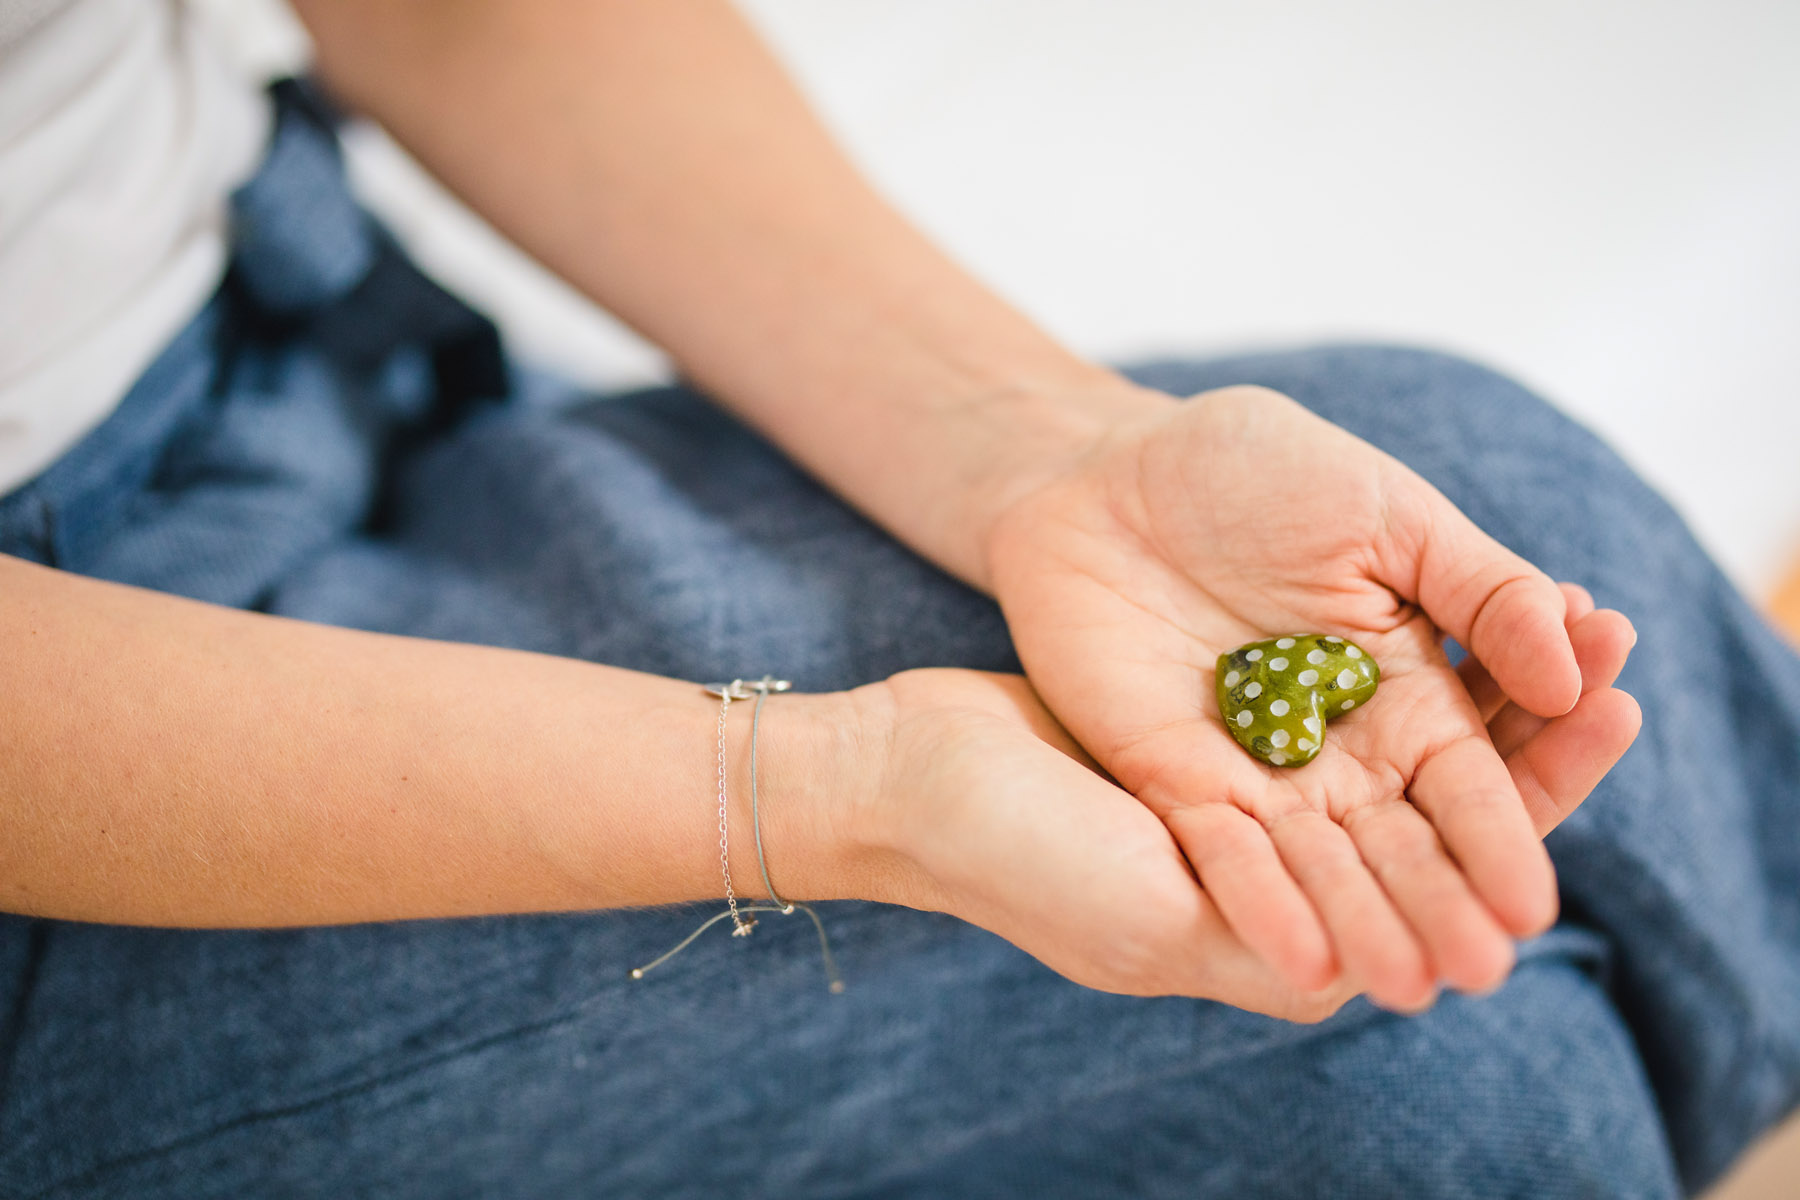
(1408, 854)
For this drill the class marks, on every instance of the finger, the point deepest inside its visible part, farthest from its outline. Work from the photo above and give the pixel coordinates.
(1505, 611)
(1482, 689)
(1467, 793)
(1222, 967)
(1561, 764)
(1467, 947)
(1603, 640)
(1579, 600)
(1374, 943)
(1237, 864)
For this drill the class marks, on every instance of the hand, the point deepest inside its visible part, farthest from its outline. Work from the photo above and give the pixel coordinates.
(1408, 852)
(978, 804)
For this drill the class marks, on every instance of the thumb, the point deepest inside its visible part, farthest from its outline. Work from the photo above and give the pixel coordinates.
(1506, 612)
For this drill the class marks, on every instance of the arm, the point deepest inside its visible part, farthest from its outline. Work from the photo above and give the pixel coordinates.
(174, 763)
(652, 153)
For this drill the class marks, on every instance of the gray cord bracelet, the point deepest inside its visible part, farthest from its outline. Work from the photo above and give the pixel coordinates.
(739, 689)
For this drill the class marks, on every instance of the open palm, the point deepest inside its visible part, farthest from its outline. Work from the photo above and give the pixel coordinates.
(1407, 852)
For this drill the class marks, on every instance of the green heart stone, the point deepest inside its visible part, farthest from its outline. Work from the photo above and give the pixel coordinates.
(1276, 695)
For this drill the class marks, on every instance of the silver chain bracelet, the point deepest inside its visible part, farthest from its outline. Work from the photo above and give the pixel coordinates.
(727, 693)
(739, 689)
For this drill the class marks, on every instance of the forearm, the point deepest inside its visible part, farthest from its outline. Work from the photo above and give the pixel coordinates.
(174, 763)
(652, 152)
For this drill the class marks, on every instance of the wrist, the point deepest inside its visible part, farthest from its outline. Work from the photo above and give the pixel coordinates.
(821, 767)
(1036, 436)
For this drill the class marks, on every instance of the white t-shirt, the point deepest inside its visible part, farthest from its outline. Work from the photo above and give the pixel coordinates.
(123, 130)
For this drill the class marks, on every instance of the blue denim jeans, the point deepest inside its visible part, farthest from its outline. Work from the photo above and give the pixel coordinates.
(335, 439)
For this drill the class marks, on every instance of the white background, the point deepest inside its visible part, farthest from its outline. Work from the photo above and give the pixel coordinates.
(1602, 198)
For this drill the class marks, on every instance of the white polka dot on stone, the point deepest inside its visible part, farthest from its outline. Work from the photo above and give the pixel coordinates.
(1244, 719)
(1279, 738)
(1278, 664)
(1252, 691)
(1231, 678)
(1278, 758)
(1336, 641)
(1285, 644)
(1352, 652)
(1312, 725)
(1304, 744)
(1308, 677)
(1346, 678)
(1315, 657)
(1279, 708)
(1254, 656)
(1347, 705)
